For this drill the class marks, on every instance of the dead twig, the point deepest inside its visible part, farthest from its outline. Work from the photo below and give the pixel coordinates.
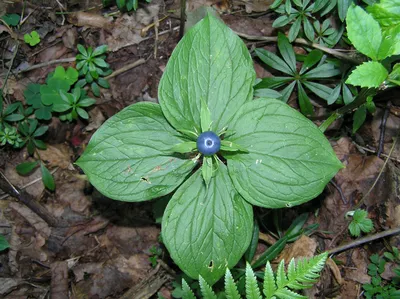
(339, 190)
(361, 241)
(29, 201)
(126, 68)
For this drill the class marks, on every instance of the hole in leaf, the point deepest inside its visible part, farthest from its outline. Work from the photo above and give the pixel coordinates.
(146, 180)
(211, 265)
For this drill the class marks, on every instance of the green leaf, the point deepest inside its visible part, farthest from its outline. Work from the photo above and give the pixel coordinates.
(304, 101)
(207, 169)
(289, 161)
(95, 89)
(44, 112)
(40, 131)
(232, 147)
(360, 222)
(281, 279)
(82, 50)
(86, 102)
(386, 12)
(271, 253)
(47, 178)
(132, 149)
(287, 52)
(311, 59)
(11, 19)
(3, 243)
(369, 74)
(269, 286)
(267, 93)
(14, 117)
(342, 7)
(210, 63)
(325, 70)
(82, 113)
(359, 118)
(186, 291)
(273, 61)
(103, 83)
(230, 286)
(70, 75)
(294, 29)
(252, 290)
(32, 95)
(251, 250)
(390, 43)
(308, 29)
(334, 95)
(26, 167)
(217, 226)
(100, 50)
(206, 290)
(50, 92)
(363, 31)
(184, 147)
(205, 117)
(32, 39)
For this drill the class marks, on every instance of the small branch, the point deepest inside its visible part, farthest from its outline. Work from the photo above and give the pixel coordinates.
(44, 64)
(358, 242)
(126, 68)
(29, 201)
(183, 19)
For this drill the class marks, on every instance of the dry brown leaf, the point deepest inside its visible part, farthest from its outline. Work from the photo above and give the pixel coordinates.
(303, 247)
(81, 19)
(335, 270)
(58, 155)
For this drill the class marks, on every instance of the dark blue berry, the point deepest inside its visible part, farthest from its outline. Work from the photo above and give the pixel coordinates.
(208, 143)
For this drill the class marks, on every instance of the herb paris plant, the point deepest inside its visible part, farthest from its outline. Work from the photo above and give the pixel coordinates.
(270, 155)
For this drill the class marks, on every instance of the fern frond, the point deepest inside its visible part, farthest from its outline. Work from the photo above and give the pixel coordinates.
(281, 280)
(307, 272)
(269, 286)
(186, 291)
(206, 290)
(230, 286)
(285, 293)
(252, 290)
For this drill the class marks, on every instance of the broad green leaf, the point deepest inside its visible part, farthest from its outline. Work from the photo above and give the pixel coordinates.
(267, 93)
(82, 50)
(287, 52)
(3, 243)
(386, 12)
(252, 290)
(359, 118)
(95, 89)
(209, 63)
(40, 131)
(363, 31)
(26, 167)
(103, 83)
(121, 4)
(82, 113)
(230, 286)
(289, 161)
(251, 250)
(369, 74)
(14, 117)
(64, 102)
(86, 102)
(47, 178)
(70, 75)
(207, 229)
(128, 157)
(205, 117)
(100, 50)
(390, 42)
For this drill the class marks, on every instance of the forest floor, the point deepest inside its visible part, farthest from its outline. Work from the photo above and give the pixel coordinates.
(99, 248)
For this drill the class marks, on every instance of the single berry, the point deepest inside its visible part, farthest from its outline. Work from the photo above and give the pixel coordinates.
(208, 143)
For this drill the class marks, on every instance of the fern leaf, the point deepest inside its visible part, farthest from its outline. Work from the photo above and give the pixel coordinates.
(206, 290)
(186, 291)
(307, 272)
(230, 286)
(269, 282)
(281, 280)
(252, 290)
(285, 293)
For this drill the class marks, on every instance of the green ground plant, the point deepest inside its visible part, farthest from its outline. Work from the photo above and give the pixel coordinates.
(282, 284)
(360, 222)
(32, 38)
(3, 243)
(380, 288)
(124, 5)
(207, 142)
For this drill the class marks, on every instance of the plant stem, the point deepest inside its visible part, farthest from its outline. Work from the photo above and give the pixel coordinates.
(360, 241)
(358, 101)
(183, 18)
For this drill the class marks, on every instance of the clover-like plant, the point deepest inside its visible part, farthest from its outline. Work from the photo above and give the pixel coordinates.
(270, 155)
(302, 78)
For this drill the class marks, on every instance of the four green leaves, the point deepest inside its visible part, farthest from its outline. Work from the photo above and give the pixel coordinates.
(271, 155)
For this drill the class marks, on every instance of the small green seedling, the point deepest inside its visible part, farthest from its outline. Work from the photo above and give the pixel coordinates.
(359, 223)
(11, 19)
(32, 39)
(3, 243)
